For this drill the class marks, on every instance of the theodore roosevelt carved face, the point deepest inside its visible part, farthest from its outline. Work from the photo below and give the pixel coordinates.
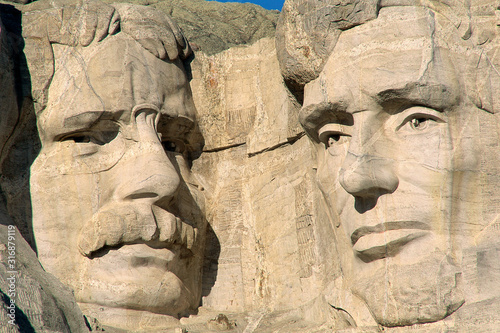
(116, 214)
(391, 115)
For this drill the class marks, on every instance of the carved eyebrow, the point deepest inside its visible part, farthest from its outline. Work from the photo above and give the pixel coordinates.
(88, 119)
(314, 116)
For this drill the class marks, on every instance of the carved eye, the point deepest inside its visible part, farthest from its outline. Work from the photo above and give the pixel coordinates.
(79, 138)
(83, 144)
(333, 134)
(332, 139)
(420, 124)
(96, 137)
(419, 119)
(173, 146)
(82, 138)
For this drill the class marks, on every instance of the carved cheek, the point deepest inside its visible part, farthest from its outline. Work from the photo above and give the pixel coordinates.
(328, 170)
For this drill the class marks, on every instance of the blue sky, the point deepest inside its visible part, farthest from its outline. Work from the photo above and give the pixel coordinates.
(268, 4)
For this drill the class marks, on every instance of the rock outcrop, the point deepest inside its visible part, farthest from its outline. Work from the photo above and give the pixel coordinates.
(212, 27)
(32, 300)
(347, 177)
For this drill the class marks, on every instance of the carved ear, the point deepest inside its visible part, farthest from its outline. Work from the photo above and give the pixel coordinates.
(488, 82)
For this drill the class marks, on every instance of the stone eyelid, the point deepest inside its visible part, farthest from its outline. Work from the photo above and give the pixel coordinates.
(415, 112)
(333, 129)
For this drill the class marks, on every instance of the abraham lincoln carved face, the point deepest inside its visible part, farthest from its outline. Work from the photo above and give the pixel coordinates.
(116, 216)
(395, 115)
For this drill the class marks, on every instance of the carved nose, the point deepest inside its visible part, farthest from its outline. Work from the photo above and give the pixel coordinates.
(148, 173)
(368, 176)
(152, 178)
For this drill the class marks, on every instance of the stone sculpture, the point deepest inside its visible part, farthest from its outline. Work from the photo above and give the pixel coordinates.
(116, 211)
(30, 298)
(401, 103)
(402, 229)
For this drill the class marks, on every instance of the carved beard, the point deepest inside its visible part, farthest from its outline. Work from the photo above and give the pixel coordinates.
(399, 295)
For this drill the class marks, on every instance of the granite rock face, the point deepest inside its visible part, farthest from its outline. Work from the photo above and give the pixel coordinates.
(32, 300)
(401, 105)
(344, 180)
(253, 163)
(212, 26)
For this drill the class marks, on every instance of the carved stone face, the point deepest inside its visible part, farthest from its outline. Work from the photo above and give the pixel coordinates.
(383, 114)
(114, 216)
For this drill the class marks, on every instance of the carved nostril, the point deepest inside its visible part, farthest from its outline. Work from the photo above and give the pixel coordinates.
(148, 185)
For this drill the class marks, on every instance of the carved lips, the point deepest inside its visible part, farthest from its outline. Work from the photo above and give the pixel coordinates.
(386, 239)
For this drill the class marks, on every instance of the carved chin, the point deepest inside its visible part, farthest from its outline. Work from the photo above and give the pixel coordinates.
(400, 295)
(167, 296)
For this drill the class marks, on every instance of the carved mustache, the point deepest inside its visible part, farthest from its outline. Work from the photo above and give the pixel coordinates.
(121, 223)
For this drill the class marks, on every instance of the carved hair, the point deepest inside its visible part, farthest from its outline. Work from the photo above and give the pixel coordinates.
(308, 30)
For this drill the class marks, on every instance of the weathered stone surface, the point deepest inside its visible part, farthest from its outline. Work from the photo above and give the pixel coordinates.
(384, 217)
(308, 30)
(403, 112)
(254, 171)
(212, 26)
(117, 125)
(241, 99)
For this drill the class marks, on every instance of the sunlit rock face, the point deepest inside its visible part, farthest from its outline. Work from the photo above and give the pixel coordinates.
(404, 116)
(385, 213)
(31, 299)
(116, 214)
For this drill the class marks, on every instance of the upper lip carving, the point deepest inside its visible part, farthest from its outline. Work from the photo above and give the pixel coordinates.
(382, 227)
(125, 223)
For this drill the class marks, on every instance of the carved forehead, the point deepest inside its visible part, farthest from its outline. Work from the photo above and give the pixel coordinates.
(401, 54)
(390, 51)
(308, 30)
(114, 75)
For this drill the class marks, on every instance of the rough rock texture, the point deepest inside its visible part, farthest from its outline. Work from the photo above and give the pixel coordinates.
(253, 164)
(374, 207)
(212, 26)
(402, 108)
(39, 301)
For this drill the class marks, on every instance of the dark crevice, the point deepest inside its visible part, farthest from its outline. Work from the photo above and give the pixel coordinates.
(214, 150)
(347, 316)
(290, 141)
(21, 320)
